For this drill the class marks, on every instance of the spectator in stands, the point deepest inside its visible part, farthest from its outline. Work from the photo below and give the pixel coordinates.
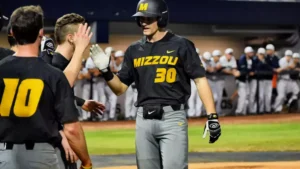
(285, 84)
(264, 74)
(247, 85)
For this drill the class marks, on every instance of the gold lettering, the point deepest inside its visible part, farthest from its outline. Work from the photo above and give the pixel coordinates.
(173, 61)
(155, 61)
(137, 62)
(143, 7)
(148, 59)
(143, 59)
(163, 60)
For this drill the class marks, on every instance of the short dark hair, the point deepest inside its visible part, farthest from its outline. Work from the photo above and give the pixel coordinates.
(26, 22)
(65, 25)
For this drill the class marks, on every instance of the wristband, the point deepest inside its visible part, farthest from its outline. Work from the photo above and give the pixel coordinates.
(212, 116)
(90, 167)
(107, 75)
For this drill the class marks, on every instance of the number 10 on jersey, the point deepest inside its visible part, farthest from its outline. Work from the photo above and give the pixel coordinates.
(25, 97)
(165, 75)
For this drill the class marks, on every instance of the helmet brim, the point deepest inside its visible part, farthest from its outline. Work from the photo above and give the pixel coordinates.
(144, 14)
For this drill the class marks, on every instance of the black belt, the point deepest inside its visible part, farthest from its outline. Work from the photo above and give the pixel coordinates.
(28, 145)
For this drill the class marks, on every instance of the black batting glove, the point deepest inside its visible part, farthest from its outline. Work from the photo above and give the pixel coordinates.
(212, 126)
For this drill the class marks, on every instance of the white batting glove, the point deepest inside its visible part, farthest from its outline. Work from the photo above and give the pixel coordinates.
(101, 60)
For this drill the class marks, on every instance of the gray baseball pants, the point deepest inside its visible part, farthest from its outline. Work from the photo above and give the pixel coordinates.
(43, 156)
(162, 144)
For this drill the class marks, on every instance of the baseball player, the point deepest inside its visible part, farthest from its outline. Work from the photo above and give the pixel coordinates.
(219, 83)
(69, 59)
(247, 84)
(294, 75)
(194, 102)
(228, 66)
(161, 64)
(285, 84)
(264, 74)
(38, 98)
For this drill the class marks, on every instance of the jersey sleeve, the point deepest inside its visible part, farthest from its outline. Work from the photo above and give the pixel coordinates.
(126, 72)
(282, 63)
(64, 101)
(192, 63)
(234, 65)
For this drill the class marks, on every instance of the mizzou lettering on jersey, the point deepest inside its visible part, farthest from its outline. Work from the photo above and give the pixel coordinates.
(155, 60)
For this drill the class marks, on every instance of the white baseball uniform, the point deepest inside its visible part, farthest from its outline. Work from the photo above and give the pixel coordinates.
(226, 64)
(285, 85)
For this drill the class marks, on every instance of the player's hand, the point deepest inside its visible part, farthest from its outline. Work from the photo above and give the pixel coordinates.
(93, 106)
(212, 126)
(70, 155)
(101, 60)
(82, 37)
(47, 45)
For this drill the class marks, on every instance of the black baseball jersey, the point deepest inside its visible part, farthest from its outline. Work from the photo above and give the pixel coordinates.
(161, 70)
(35, 98)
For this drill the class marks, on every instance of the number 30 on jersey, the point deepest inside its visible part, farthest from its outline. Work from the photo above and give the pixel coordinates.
(25, 97)
(165, 75)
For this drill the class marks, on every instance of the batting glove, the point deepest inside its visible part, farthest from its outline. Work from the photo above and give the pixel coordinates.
(101, 60)
(47, 45)
(212, 126)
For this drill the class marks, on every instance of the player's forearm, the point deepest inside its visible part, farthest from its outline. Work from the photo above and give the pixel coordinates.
(75, 136)
(205, 94)
(117, 86)
(73, 68)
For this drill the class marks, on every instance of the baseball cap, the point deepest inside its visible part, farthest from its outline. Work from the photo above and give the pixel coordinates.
(228, 51)
(109, 50)
(216, 53)
(270, 47)
(261, 51)
(296, 55)
(288, 53)
(197, 50)
(248, 49)
(119, 53)
(206, 55)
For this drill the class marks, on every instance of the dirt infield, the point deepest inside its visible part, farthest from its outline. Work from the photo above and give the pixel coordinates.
(271, 118)
(237, 165)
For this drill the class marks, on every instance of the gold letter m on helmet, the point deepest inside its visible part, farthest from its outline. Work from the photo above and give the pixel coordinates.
(143, 7)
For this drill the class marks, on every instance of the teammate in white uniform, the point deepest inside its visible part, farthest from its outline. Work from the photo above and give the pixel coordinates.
(228, 67)
(194, 102)
(285, 84)
(218, 81)
(247, 85)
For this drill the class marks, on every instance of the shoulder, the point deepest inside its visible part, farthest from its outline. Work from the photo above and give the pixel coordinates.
(49, 69)
(6, 59)
(4, 52)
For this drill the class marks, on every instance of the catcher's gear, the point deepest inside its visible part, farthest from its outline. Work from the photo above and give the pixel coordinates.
(155, 9)
(47, 45)
(100, 58)
(213, 126)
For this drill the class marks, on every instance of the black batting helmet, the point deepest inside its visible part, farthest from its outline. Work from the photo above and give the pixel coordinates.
(153, 8)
